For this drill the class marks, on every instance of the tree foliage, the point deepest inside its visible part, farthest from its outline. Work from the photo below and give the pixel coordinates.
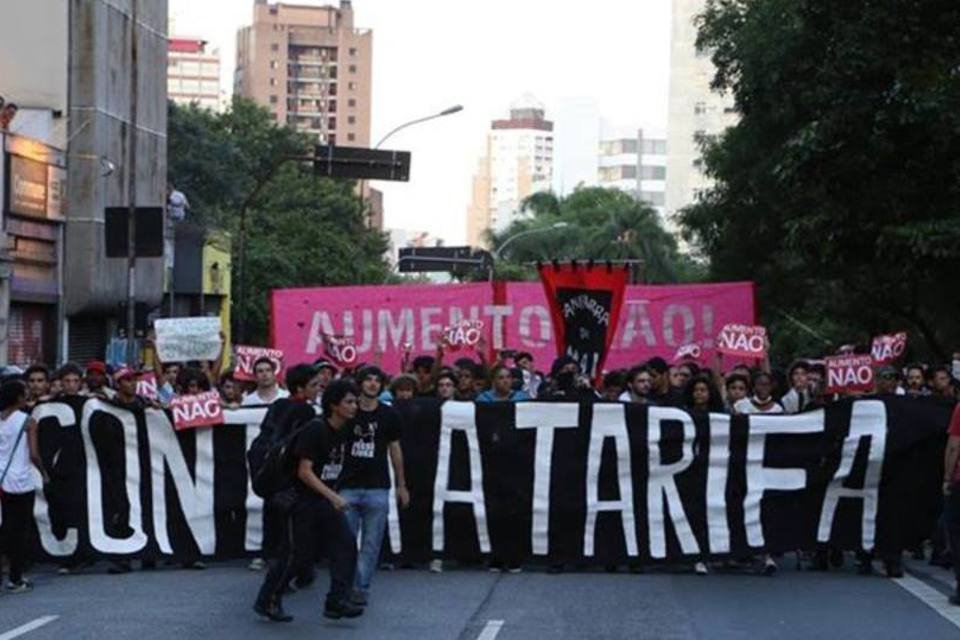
(838, 190)
(301, 230)
(600, 224)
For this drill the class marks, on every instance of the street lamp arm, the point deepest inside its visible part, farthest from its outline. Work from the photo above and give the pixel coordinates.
(445, 112)
(498, 250)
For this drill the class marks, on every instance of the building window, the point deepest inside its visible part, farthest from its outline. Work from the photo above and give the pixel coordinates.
(273, 99)
(353, 51)
(351, 137)
(653, 173)
(275, 47)
(273, 82)
(654, 147)
(351, 86)
(628, 172)
(353, 68)
(351, 102)
(332, 139)
(699, 108)
(274, 64)
(656, 198)
(351, 120)
(332, 107)
(332, 123)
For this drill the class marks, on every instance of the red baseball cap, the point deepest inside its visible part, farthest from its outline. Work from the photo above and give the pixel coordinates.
(97, 366)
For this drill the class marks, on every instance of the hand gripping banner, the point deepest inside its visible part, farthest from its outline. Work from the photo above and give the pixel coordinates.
(585, 302)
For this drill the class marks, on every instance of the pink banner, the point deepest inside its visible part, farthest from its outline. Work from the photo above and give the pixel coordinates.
(381, 318)
(654, 321)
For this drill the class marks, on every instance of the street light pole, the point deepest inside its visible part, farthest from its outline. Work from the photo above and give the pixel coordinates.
(449, 111)
(529, 232)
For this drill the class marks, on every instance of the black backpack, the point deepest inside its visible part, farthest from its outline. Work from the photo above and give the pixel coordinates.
(272, 466)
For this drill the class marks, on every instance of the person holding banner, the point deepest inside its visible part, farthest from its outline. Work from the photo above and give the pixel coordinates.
(502, 388)
(267, 391)
(19, 453)
(762, 400)
(798, 397)
(951, 492)
(638, 386)
(230, 394)
(38, 384)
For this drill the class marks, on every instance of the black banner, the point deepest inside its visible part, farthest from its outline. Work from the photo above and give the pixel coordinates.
(601, 482)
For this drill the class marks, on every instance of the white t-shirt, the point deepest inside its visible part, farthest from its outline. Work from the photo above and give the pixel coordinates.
(746, 406)
(627, 396)
(19, 478)
(253, 399)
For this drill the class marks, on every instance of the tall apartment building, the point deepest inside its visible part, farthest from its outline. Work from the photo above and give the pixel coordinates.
(635, 162)
(310, 67)
(517, 162)
(694, 109)
(193, 73)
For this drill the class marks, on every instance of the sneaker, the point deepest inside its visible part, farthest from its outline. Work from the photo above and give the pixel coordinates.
(769, 566)
(274, 612)
(700, 569)
(495, 567)
(19, 587)
(256, 564)
(358, 598)
(63, 570)
(339, 610)
(514, 569)
(436, 566)
(195, 565)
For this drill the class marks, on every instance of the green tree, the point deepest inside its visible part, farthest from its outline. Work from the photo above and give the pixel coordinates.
(301, 230)
(595, 223)
(837, 191)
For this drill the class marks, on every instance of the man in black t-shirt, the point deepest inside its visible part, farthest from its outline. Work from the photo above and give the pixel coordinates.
(365, 482)
(317, 510)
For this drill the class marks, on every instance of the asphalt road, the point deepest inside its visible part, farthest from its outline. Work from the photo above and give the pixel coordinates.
(472, 604)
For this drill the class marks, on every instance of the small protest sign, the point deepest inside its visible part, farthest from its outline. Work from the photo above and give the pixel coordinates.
(742, 340)
(888, 348)
(464, 334)
(147, 385)
(340, 349)
(201, 410)
(247, 356)
(849, 373)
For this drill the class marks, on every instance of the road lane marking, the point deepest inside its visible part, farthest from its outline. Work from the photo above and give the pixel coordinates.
(27, 628)
(929, 596)
(489, 632)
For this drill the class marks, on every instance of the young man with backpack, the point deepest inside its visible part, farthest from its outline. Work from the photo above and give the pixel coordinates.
(278, 431)
(306, 507)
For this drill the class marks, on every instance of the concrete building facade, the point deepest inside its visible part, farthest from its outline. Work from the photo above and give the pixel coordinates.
(634, 161)
(518, 162)
(694, 110)
(310, 67)
(69, 65)
(193, 73)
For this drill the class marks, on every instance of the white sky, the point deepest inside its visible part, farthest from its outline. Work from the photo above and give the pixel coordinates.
(430, 54)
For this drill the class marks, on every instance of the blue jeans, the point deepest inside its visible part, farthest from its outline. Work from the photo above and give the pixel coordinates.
(367, 514)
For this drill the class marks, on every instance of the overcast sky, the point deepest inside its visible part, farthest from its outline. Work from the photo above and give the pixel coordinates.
(430, 54)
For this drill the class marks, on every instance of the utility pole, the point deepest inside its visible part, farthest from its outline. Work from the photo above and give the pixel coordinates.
(132, 191)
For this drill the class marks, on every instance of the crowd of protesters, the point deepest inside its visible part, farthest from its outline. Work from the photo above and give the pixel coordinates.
(345, 452)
